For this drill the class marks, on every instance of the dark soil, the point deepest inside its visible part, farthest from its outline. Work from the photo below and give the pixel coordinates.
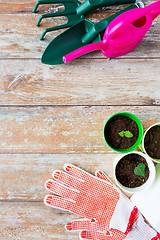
(152, 142)
(125, 171)
(115, 126)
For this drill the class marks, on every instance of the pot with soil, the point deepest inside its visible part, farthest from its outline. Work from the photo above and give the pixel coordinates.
(123, 132)
(134, 171)
(151, 142)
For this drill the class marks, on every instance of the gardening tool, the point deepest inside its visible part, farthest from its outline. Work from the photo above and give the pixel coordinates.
(77, 36)
(123, 34)
(74, 10)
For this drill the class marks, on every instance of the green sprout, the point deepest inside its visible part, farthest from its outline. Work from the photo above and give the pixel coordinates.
(140, 169)
(126, 134)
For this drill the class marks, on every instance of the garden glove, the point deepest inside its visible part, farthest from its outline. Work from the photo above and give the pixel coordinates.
(139, 230)
(90, 197)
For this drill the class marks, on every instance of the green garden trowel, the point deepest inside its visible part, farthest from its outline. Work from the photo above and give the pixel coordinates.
(79, 35)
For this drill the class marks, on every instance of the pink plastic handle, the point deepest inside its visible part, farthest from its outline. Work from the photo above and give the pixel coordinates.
(140, 13)
(81, 51)
(155, 13)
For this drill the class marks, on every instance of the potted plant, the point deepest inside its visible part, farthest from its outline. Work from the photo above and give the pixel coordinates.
(151, 142)
(123, 132)
(134, 171)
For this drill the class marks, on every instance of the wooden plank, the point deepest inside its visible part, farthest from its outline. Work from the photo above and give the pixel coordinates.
(125, 82)
(14, 7)
(27, 6)
(20, 221)
(22, 37)
(23, 175)
(33, 221)
(74, 129)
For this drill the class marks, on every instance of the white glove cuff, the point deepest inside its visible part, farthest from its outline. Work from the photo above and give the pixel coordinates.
(141, 231)
(122, 215)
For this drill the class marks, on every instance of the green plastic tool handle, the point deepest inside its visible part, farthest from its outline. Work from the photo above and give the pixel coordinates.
(91, 5)
(101, 26)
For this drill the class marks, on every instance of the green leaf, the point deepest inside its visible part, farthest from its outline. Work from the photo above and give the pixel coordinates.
(140, 169)
(128, 134)
(121, 133)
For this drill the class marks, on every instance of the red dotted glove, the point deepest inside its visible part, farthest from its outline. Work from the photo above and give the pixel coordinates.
(139, 230)
(97, 200)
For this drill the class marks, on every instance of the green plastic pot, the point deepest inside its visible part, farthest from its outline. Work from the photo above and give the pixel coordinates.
(140, 128)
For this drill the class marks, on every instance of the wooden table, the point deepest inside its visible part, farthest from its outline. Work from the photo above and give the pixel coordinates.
(50, 115)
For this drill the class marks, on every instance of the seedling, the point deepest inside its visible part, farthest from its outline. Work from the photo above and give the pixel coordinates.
(126, 134)
(140, 169)
(126, 140)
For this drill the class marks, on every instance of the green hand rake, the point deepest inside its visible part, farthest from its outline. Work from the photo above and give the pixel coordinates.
(74, 10)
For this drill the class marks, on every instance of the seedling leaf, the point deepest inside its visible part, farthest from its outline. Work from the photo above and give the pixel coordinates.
(121, 134)
(140, 169)
(128, 134)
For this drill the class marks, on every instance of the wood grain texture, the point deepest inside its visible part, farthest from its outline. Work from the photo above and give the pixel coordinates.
(50, 115)
(101, 82)
(34, 221)
(22, 176)
(26, 6)
(74, 129)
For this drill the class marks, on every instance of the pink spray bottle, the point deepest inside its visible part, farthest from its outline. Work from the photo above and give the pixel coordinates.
(123, 34)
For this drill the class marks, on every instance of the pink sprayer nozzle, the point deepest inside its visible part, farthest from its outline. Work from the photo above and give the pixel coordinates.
(81, 51)
(65, 59)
